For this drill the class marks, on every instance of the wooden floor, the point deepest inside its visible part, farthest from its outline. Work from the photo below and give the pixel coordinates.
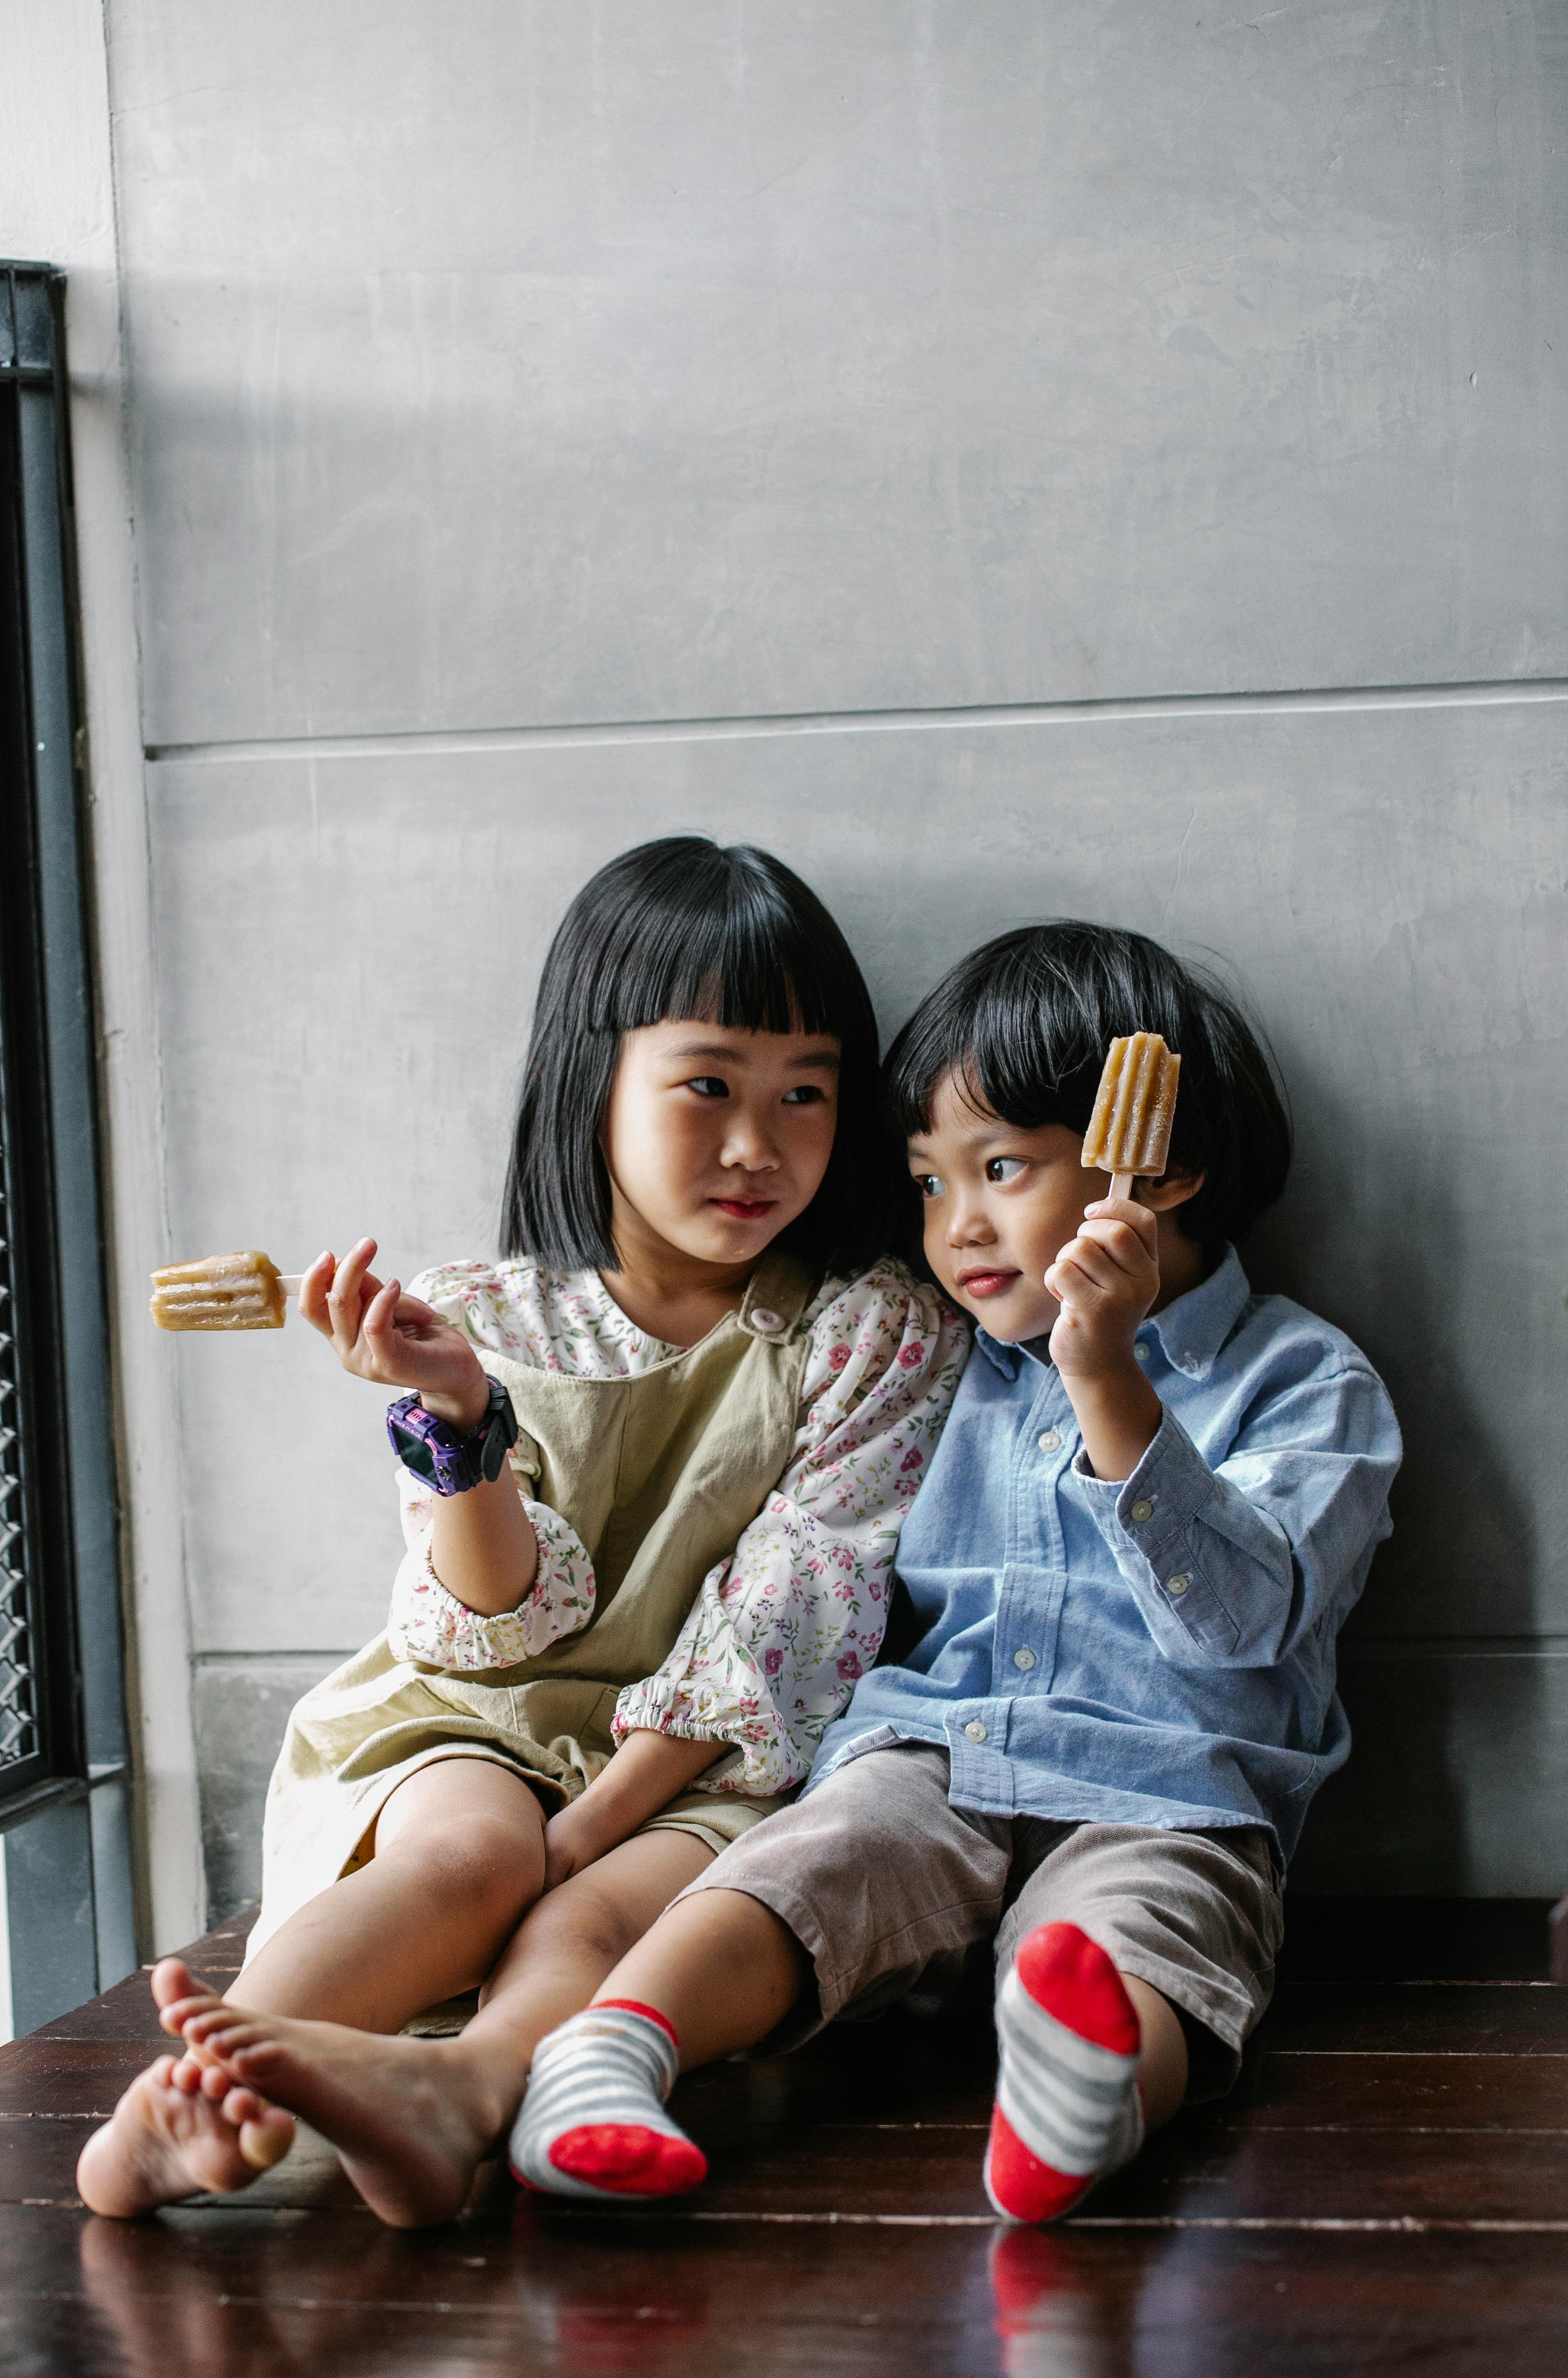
(1387, 2191)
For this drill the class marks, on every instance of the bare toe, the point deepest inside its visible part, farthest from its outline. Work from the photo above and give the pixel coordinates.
(165, 2141)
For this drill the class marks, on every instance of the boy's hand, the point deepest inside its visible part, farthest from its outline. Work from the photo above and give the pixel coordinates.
(1104, 1280)
(394, 1340)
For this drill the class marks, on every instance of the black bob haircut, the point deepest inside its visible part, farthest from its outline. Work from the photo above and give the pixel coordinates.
(682, 928)
(1024, 1024)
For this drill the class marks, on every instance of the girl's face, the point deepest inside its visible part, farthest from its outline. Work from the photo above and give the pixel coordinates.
(716, 1138)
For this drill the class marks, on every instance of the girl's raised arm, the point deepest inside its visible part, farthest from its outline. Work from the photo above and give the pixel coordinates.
(483, 1548)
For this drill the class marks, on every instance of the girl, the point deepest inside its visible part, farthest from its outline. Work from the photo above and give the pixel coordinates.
(654, 1468)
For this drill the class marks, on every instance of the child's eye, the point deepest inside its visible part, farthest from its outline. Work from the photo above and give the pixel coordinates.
(806, 1094)
(1005, 1167)
(928, 1183)
(708, 1086)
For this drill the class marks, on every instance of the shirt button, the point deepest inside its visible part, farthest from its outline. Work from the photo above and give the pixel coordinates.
(1139, 1512)
(1142, 1351)
(762, 1319)
(975, 1730)
(1024, 1659)
(1050, 1441)
(1177, 1587)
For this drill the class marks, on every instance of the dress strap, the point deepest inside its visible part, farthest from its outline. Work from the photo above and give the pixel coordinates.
(777, 1294)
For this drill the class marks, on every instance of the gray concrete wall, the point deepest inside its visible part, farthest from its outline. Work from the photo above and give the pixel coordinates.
(1093, 458)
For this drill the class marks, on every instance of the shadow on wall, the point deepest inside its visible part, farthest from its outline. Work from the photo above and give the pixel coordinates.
(241, 1707)
(1443, 1715)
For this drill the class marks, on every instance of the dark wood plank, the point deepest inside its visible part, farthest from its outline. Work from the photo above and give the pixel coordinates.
(1517, 2019)
(1510, 2092)
(204, 2295)
(1204, 2167)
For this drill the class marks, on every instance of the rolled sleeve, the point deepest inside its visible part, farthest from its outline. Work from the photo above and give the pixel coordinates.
(430, 1625)
(1233, 1564)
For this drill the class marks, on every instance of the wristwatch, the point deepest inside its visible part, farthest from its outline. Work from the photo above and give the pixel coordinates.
(449, 1459)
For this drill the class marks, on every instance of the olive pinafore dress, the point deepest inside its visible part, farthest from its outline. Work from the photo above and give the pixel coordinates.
(658, 1474)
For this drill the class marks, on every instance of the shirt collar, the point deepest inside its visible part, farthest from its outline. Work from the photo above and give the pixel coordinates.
(1190, 1331)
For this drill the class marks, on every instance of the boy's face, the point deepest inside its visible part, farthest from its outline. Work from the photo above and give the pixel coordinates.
(1000, 1204)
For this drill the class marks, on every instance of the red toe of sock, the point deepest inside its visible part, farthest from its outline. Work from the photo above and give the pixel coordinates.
(1020, 2185)
(1065, 1971)
(629, 2159)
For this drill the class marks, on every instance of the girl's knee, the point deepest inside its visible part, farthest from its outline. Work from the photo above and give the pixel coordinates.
(479, 1860)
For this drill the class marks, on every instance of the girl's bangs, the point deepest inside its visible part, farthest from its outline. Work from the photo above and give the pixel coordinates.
(747, 966)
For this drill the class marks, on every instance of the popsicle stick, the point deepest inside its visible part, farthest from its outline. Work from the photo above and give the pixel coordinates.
(289, 1282)
(1121, 1186)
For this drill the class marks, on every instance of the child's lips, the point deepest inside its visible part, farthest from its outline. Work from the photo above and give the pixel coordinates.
(744, 1209)
(987, 1283)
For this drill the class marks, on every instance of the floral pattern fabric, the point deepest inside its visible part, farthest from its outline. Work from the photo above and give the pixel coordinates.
(779, 1630)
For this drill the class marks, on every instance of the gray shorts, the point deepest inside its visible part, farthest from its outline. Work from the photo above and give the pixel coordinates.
(886, 1886)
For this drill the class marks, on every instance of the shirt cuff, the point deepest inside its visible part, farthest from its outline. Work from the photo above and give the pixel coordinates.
(1151, 1521)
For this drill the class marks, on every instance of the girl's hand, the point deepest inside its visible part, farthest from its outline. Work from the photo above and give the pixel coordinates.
(394, 1340)
(1105, 1281)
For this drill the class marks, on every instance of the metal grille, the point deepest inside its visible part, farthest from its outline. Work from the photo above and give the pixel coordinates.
(19, 1733)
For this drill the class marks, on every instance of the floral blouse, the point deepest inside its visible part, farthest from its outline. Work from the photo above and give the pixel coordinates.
(780, 1629)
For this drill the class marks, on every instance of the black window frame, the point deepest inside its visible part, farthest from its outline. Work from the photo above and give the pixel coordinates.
(57, 1315)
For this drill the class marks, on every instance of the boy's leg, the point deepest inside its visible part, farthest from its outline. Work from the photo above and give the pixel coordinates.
(847, 1897)
(412, 2118)
(1129, 1951)
(459, 1855)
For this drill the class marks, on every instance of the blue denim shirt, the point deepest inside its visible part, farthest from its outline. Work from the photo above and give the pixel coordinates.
(1158, 1650)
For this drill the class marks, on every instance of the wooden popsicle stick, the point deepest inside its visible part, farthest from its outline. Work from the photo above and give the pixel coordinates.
(1121, 1185)
(289, 1282)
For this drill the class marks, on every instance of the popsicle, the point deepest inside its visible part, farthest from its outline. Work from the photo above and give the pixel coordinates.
(239, 1292)
(1129, 1131)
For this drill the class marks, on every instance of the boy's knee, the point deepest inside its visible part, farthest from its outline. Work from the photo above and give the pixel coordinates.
(586, 1918)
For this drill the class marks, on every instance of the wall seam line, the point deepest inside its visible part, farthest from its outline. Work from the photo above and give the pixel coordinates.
(1477, 694)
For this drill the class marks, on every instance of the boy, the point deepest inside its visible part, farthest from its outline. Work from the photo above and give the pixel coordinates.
(1156, 1499)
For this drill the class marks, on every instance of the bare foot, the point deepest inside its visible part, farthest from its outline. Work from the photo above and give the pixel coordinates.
(407, 2119)
(179, 2129)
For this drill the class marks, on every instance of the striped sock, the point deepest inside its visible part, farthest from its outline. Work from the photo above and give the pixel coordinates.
(593, 2123)
(1067, 2110)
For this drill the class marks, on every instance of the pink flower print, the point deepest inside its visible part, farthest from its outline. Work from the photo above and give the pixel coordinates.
(838, 1358)
(772, 1662)
(849, 1665)
(910, 1357)
(910, 1461)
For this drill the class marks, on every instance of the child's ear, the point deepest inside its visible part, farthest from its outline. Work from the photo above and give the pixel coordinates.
(1171, 1190)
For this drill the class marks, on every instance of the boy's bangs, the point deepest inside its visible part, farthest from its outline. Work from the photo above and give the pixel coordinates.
(1006, 1050)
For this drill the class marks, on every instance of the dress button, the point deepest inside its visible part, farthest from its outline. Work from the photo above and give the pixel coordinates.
(1049, 1441)
(1142, 1351)
(1024, 1659)
(1139, 1512)
(975, 1730)
(763, 1319)
(1177, 1587)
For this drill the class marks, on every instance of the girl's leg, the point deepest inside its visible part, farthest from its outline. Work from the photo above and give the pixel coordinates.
(459, 1853)
(413, 2118)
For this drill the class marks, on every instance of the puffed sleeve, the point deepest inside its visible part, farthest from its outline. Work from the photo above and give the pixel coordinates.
(781, 1630)
(427, 1623)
